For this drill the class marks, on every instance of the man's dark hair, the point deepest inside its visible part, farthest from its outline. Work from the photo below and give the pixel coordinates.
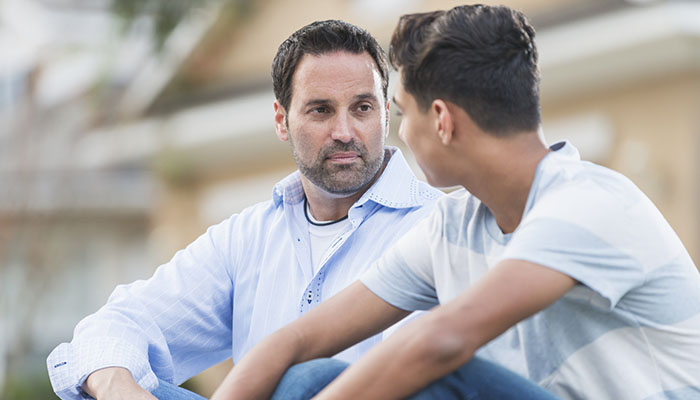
(322, 37)
(481, 58)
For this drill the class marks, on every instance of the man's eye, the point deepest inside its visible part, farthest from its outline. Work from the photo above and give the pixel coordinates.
(398, 113)
(320, 110)
(364, 107)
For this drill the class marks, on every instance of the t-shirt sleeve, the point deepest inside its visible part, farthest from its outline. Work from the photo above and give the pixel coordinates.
(591, 237)
(403, 275)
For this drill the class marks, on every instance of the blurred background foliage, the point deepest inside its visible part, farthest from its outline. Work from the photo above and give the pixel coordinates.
(167, 14)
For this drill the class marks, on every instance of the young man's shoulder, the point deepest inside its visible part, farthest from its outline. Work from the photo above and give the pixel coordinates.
(580, 189)
(603, 207)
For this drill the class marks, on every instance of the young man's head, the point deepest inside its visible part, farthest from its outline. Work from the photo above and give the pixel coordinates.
(330, 79)
(481, 58)
(468, 80)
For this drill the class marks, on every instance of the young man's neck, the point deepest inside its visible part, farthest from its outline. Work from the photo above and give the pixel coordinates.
(506, 171)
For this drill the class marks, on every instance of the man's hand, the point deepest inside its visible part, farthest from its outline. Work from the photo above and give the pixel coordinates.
(115, 383)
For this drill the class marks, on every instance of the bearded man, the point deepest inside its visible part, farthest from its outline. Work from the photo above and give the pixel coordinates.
(275, 261)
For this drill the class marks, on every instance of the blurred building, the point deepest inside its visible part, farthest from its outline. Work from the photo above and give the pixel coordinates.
(116, 152)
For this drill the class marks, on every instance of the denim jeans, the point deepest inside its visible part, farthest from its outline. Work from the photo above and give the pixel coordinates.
(304, 380)
(477, 379)
(301, 382)
(168, 391)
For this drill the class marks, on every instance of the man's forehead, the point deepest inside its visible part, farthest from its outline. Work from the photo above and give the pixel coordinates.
(338, 56)
(335, 75)
(329, 64)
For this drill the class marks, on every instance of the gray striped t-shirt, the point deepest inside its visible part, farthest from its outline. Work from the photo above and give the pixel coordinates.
(629, 330)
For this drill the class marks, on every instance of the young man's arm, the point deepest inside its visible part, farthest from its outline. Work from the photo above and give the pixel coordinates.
(448, 336)
(347, 318)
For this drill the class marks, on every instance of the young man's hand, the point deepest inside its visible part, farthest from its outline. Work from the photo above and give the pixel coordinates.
(115, 383)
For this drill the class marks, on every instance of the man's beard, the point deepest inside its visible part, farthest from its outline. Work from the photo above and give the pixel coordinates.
(338, 178)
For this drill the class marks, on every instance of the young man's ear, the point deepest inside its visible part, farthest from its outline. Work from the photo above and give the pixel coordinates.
(444, 123)
(281, 121)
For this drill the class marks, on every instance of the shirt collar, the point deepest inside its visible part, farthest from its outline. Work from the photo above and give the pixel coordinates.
(559, 150)
(397, 187)
(565, 149)
(289, 189)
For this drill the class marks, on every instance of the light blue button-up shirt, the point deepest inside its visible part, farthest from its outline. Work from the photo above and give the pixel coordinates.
(240, 281)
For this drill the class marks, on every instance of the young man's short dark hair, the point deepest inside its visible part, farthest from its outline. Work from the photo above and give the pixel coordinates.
(483, 59)
(318, 38)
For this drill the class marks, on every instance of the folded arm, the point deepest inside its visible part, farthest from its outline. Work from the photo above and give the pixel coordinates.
(159, 327)
(347, 318)
(447, 337)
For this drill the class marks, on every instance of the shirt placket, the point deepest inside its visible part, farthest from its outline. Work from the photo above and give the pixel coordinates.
(314, 291)
(313, 294)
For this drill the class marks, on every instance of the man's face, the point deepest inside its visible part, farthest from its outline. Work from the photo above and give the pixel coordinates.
(336, 122)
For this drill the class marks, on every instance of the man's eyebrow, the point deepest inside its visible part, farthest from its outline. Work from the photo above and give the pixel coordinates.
(393, 98)
(366, 96)
(362, 96)
(316, 102)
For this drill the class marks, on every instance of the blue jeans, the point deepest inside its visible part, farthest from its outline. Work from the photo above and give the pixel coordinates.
(301, 382)
(168, 391)
(305, 380)
(477, 379)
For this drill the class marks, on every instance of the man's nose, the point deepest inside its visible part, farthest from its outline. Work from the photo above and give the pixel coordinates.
(343, 129)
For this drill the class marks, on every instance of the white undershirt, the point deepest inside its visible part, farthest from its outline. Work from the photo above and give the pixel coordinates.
(322, 237)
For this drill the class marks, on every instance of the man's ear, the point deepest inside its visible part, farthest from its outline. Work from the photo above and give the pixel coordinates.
(280, 121)
(386, 120)
(444, 122)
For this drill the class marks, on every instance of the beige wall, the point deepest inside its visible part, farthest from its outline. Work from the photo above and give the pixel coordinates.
(655, 128)
(186, 208)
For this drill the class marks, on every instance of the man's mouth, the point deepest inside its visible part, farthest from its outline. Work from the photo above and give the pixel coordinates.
(344, 157)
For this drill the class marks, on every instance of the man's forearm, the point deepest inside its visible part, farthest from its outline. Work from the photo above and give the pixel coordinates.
(115, 383)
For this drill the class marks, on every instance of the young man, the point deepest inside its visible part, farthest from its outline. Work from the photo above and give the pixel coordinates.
(260, 269)
(557, 269)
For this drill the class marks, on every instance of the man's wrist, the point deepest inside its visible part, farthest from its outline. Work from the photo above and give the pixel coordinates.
(100, 382)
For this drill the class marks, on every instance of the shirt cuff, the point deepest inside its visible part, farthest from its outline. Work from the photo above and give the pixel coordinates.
(70, 364)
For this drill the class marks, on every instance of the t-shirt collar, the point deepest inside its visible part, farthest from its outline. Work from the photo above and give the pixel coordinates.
(563, 149)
